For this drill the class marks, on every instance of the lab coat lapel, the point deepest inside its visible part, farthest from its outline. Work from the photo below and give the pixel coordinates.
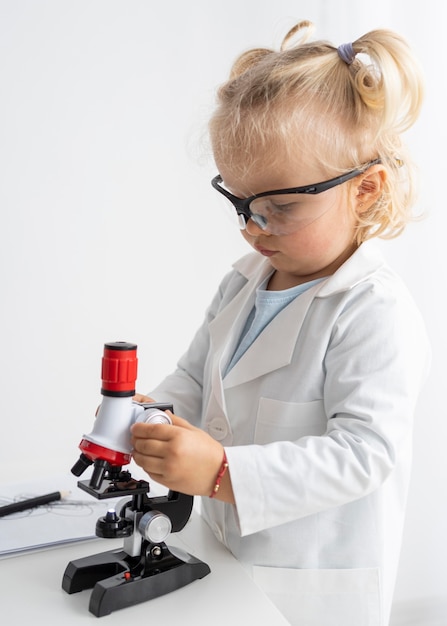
(226, 328)
(275, 346)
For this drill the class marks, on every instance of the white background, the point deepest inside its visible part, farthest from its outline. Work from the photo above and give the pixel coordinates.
(110, 229)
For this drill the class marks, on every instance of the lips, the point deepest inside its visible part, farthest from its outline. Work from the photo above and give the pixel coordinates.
(265, 251)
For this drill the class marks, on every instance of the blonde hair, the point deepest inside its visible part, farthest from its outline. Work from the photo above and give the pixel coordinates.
(348, 113)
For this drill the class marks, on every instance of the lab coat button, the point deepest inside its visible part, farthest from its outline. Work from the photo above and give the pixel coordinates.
(218, 428)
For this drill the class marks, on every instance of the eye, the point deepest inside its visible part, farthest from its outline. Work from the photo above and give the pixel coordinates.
(276, 205)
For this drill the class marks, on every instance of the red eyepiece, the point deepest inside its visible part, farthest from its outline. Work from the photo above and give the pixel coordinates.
(119, 369)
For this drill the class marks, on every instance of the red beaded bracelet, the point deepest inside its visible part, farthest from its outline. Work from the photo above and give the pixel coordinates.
(220, 475)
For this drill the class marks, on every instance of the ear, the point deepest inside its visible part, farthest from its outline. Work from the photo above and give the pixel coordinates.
(368, 187)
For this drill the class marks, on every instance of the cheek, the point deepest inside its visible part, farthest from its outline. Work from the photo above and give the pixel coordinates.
(323, 237)
(304, 244)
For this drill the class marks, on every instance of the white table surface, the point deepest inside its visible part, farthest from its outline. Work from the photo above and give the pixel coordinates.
(31, 589)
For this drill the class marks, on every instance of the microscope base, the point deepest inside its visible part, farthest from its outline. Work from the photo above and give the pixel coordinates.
(116, 586)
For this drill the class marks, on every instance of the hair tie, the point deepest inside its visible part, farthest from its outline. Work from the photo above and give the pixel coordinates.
(346, 53)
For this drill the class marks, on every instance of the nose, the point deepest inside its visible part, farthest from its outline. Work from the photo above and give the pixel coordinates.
(254, 230)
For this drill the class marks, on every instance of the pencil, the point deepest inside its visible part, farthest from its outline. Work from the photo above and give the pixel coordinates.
(31, 503)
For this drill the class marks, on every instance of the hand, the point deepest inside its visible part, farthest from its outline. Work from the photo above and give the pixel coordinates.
(180, 456)
(139, 397)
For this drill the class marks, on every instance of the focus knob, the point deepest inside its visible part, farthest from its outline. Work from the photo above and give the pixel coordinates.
(155, 526)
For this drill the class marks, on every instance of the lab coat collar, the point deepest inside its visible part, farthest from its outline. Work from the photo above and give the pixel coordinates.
(366, 260)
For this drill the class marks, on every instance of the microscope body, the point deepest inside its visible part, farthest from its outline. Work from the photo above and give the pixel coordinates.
(110, 438)
(145, 567)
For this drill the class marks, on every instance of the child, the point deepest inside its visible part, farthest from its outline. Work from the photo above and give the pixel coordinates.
(297, 393)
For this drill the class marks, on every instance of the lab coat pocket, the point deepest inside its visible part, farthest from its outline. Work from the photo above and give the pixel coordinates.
(288, 421)
(329, 597)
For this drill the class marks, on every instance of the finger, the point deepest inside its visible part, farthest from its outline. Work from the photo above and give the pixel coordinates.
(141, 430)
(139, 397)
(149, 447)
(152, 465)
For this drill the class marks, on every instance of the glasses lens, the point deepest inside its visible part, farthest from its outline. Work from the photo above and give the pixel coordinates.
(284, 214)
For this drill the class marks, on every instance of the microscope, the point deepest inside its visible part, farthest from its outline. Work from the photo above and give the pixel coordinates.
(145, 567)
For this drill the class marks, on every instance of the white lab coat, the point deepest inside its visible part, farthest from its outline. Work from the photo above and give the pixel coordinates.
(316, 419)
